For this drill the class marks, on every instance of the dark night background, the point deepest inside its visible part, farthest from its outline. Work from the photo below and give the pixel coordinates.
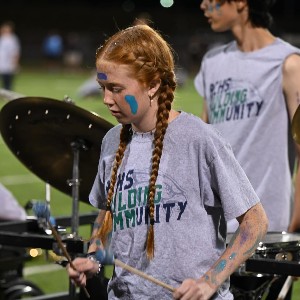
(91, 21)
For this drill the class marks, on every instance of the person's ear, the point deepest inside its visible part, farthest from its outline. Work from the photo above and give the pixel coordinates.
(154, 87)
(241, 5)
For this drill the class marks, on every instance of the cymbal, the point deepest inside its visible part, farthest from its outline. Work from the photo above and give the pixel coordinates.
(296, 125)
(42, 134)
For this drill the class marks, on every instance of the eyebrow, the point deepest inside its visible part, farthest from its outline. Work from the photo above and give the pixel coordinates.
(110, 84)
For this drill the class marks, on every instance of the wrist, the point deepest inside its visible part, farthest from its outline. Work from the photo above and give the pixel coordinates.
(92, 256)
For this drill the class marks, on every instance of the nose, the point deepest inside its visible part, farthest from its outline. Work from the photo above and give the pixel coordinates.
(203, 4)
(108, 99)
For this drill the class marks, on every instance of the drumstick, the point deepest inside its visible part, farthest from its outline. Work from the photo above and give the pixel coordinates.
(42, 211)
(285, 288)
(65, 252)
(145, 276)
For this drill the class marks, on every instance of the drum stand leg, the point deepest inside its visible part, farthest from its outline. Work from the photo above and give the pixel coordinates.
(75, 183)
(76, 145)
(255, 294)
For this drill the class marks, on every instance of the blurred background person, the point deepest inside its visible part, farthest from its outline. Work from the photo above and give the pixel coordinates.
(251, 91)
(53, 49)
(10, 51)
(10, 207)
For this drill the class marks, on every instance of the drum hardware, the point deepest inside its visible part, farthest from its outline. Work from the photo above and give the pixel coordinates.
(59, 132)
(23, 235)
(48, 200)
(261, 247)
(48, 136)
(285, 288)
(43, 132)
(56, 296)
(276, 255)
(284, 256)
(28, 234)
(256, 292)
(76, 145)
(43, 211)
(279, 254)
(272, 266)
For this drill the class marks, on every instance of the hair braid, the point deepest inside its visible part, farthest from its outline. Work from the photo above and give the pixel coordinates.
(164, 106)
(106, 228)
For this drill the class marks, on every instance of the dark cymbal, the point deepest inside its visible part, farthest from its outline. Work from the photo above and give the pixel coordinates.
(42, 132)
(296, 125)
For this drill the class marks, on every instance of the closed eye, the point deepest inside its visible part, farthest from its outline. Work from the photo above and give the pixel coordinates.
(115, 89)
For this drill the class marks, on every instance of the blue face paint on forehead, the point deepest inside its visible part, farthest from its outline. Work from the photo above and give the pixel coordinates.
(132, 103)
(218, 6)
(213, 6)
(101, 76)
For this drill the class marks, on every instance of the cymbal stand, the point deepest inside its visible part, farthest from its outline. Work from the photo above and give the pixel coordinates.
(48, 197)
(76, 145)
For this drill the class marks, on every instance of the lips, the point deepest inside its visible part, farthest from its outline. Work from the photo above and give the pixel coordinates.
(208, 18)
(115, 113)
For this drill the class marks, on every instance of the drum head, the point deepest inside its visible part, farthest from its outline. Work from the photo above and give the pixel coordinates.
(280, 239)
(275, 238)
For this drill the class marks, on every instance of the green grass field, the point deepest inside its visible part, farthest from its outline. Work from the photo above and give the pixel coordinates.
(26, 186)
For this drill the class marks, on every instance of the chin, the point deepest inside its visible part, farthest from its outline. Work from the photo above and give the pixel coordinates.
(217, 28)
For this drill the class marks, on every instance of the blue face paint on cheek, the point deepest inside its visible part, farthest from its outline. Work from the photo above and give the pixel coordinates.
(101, 76)
(132, 103)
(218, 6)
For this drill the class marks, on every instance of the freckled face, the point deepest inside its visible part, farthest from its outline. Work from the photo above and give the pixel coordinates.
(126, 98)
(221, 16)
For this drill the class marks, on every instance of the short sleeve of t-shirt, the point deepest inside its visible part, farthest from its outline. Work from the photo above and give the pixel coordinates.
(229, 184)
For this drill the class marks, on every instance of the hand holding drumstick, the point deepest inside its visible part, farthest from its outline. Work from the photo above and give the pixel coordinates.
(188, 282)
(41, 210)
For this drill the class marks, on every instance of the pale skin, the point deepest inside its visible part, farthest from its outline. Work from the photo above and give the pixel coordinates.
(117, 83)
(233, 17)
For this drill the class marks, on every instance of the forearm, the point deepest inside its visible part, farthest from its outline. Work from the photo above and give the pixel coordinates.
(252, 229)
(295, 220)
(95, 242)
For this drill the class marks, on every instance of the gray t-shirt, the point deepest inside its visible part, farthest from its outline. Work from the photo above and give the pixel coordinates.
(200, 185)
(246, 104)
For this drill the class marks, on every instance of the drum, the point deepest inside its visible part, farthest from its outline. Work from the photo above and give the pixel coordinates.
(276, 245)
(279, 246)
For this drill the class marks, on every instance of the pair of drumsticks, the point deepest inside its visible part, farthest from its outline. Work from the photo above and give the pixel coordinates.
(116, 261)
(41, 210)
